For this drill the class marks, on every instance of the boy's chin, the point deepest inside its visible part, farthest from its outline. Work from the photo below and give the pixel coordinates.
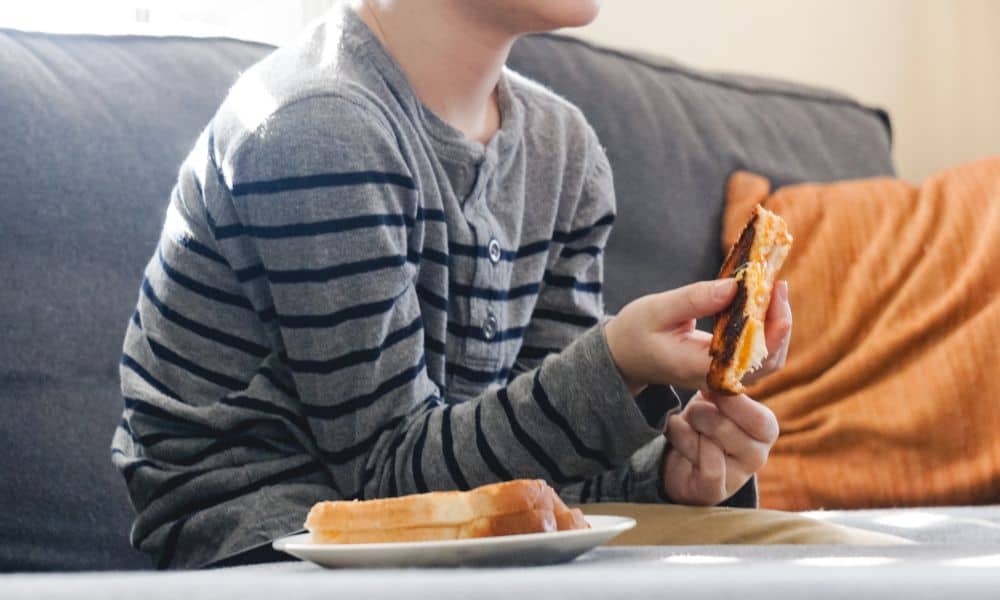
(569, 13)
(529, 16)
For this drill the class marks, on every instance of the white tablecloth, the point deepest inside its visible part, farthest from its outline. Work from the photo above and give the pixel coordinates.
(912, 572)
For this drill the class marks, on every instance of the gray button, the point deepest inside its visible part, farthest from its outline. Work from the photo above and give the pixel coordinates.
(495, 251)
(490, 327)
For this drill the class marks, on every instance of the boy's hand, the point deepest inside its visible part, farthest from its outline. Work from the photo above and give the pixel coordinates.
(716, 444)
(653, 339)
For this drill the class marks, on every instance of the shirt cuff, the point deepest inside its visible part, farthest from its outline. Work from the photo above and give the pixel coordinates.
(657, 402)
(646, 484)
(586, 377)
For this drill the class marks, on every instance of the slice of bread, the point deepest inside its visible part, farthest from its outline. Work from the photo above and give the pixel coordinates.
(738, 344)
(508, 508)
(532, 521)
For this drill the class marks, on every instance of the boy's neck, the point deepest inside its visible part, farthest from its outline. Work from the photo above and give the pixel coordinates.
(452, 60)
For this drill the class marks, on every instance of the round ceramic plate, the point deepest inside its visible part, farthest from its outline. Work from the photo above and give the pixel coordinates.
(508, 550)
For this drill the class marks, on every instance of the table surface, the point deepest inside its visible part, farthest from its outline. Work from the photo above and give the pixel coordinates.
(747, 572)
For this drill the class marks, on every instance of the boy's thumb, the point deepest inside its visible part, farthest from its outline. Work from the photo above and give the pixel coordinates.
(694, 301)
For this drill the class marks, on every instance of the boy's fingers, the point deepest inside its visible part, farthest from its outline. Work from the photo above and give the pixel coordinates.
(683, 438)
(778, 322)
(702, 339)
(710, 470)
(750, 454)
(781, 357)
(679, 477)
(688, 356)
(755, 419)
(693, 301)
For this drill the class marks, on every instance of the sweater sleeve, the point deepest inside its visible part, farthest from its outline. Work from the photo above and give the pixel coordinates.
(563, 313)
(212, 445)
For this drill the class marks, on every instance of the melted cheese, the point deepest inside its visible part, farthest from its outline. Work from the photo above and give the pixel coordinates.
(753, 347)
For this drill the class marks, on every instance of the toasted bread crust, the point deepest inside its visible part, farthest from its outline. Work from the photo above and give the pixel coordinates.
(729, 323)
(507, 508)
(737, 343)
(532, 521)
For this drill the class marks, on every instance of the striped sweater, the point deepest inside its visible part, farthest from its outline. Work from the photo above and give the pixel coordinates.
(351, 300)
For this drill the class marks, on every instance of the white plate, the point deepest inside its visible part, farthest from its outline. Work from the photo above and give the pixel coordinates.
(508, 550)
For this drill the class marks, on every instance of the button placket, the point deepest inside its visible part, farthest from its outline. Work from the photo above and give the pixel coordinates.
(488, 273)
(491, 324)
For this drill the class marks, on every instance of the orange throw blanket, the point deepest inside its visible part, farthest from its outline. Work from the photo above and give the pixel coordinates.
(891, 392)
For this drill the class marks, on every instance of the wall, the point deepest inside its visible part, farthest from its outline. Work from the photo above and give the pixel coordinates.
(934, 64)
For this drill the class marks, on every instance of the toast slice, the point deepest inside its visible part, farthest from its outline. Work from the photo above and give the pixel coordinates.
(532, 521)
(508, 508)
(738, 346)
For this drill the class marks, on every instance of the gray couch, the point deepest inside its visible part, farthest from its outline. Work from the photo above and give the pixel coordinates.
(92, 130)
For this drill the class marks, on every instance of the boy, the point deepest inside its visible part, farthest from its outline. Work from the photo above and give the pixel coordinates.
(380, 274)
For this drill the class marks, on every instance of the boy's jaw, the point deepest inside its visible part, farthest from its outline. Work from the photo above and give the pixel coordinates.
(532, 16)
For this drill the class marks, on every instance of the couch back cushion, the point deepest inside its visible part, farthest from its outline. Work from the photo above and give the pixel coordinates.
(674, 135)
(93, 130)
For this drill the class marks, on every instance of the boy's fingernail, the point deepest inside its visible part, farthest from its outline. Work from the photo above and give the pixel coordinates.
(723, 289)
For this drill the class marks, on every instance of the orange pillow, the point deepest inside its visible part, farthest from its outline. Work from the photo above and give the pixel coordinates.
(891, 392)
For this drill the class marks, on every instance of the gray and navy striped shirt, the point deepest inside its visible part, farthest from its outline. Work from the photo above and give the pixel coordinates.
(351, 300)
